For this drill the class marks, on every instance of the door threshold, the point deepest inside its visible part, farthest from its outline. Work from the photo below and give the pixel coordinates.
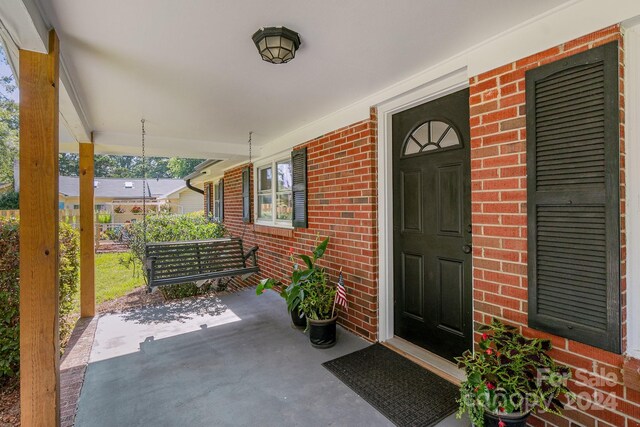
(434, 363)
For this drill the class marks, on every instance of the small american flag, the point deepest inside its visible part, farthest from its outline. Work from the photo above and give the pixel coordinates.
(341, 293)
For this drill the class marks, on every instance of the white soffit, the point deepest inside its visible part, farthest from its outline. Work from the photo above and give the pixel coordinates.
(23, 27)
(191, 70)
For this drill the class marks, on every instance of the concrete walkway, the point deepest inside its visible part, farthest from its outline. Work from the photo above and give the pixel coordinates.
(212, 362)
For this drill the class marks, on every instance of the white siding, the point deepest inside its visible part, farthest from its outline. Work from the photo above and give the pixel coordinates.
(191, 201)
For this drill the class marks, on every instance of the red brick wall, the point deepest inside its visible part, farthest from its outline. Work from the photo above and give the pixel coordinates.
(498, 173)
(342, 204)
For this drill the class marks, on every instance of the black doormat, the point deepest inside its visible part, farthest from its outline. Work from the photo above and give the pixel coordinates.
(403, 391)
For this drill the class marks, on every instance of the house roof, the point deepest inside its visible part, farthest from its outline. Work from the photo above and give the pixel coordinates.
(121, 188)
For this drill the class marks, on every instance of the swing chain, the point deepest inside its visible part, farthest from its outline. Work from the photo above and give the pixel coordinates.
(144, 186)
(250, 133)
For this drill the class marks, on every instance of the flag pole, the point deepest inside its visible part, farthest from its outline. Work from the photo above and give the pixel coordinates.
(333, 309)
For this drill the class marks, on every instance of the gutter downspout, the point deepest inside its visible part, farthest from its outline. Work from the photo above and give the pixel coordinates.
(191, 187)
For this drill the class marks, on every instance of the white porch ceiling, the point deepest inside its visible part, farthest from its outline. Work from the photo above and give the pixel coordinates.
(191, 70)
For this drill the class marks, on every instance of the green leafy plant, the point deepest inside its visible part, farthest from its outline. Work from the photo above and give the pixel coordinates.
(308, 289)
(510, 374)
(173, 228)
(10, 201)
(104, 217)
(69, 268)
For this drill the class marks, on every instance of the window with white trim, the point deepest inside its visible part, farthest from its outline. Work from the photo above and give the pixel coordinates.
(274, 193)
(218, 203)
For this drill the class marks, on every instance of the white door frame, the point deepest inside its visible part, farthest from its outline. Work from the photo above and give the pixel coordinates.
(436, 88)
(632, 146)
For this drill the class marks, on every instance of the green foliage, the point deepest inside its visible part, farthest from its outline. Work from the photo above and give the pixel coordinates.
(510, 373)
(104, 217)
(174, 228)
(129, 166)
(179, 168)
(317, 303)
(9, 298)
(69, 273)
(9, 125)
(10, 289)
(309, 289)
(10, 201)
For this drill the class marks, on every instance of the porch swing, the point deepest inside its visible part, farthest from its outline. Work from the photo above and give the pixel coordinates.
(195, 261)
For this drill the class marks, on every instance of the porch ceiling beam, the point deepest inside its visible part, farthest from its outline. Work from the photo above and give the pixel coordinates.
(39, 343)
(129, 144)
(87, 232)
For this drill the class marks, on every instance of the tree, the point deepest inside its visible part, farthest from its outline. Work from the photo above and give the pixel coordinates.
(9, 125)
(130, 166)
(68, 164)
(179, 168)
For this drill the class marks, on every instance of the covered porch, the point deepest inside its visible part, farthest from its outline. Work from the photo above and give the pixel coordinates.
(89, 73)
(229, 360)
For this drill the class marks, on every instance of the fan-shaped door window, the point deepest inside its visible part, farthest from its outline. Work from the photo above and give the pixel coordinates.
(431, 136)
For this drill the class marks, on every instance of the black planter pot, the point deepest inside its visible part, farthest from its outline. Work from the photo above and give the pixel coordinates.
(298, 319)
(322, 333)
(510, 420)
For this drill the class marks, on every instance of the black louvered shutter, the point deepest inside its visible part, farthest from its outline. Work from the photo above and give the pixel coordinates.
(573, 197)
(299, 180)
(246, 194)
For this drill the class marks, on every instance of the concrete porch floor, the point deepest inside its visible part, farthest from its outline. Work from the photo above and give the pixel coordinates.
(233, 361)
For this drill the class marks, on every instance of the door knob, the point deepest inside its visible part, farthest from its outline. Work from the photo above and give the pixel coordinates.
(466, 249)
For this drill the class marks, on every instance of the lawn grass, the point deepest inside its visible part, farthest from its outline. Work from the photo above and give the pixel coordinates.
(113, 278)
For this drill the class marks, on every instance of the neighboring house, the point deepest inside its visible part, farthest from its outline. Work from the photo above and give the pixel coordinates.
(188, 200)
(124, 196)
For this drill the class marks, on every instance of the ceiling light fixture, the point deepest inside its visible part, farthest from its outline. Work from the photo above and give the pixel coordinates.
(276, 45)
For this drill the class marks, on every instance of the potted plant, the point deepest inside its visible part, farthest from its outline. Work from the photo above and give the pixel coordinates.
(118, 210)
(318, 306)
(136, 210)
(509, 377)
(310, 283)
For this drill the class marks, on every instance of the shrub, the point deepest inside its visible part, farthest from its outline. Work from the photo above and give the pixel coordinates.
(9, 201)
(174, 228)
(10, 289)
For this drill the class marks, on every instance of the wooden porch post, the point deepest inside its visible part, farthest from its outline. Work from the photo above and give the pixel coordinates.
(39, 342)
(87, 233)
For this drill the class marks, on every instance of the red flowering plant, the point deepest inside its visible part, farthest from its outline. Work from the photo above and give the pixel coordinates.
(510, 374)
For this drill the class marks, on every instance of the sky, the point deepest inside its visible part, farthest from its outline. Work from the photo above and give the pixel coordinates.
(5, 70)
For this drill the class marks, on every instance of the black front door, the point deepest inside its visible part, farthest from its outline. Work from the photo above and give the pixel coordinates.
(432, 225)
